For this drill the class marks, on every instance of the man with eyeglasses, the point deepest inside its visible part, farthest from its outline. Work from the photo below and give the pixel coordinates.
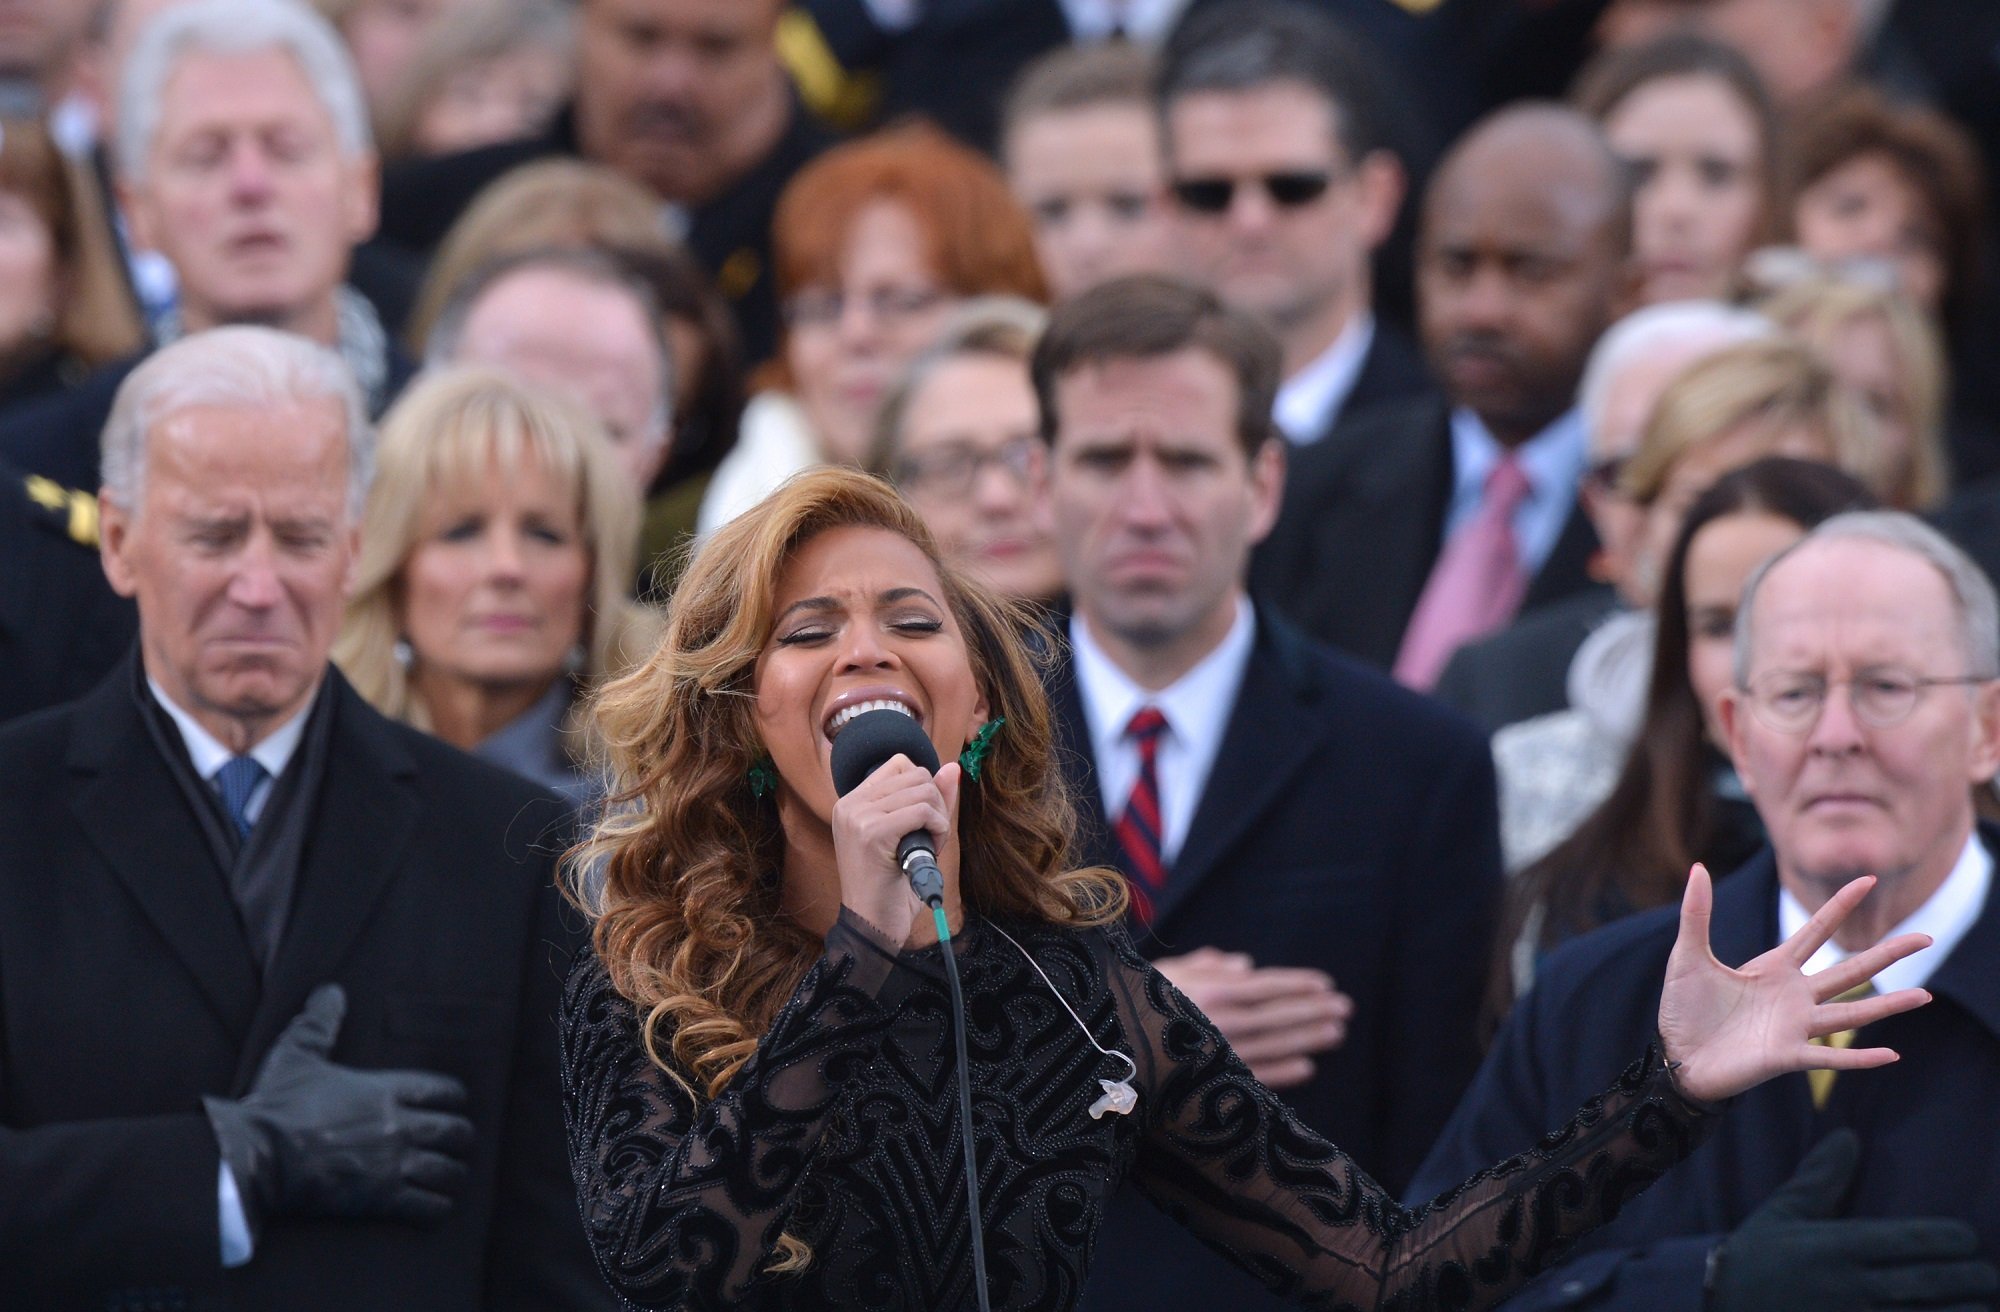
(1865, 715)
(1430, 523)
(1284, 184)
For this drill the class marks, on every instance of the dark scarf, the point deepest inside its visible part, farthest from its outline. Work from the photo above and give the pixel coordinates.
(262, 870)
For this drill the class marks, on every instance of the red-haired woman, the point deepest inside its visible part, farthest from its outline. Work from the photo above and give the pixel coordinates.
(875, 242)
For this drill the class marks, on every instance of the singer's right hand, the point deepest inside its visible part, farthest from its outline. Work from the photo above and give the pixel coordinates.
(899, 798)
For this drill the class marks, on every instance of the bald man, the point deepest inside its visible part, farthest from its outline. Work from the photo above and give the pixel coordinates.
(1433, 522)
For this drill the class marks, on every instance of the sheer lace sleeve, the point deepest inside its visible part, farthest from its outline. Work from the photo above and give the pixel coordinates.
(684, 1203)
(1225, 1158)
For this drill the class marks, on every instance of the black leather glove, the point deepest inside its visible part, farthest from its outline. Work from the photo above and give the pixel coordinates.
(313, 1138)
(1794, 1252)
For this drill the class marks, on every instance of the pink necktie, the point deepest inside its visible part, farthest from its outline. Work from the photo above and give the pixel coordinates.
(1476, 585)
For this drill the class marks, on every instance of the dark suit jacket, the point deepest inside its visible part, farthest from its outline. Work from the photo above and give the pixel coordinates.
(1347, 824)
(730, 234)
(1926, 1123)
(61, 626)
(1392, 371)
(60, 437)
(1362, 524)
(128, 991)
(1523, 670)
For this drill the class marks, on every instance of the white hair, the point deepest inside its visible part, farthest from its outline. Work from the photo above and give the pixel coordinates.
(1971, 592)
(236, 27)
(1675, 325)
(236, 368)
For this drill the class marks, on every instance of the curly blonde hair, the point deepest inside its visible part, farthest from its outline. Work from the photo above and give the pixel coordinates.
(681, 873)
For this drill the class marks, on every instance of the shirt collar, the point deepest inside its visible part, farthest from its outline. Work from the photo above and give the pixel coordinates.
(208, 755)
(1553, 459)
(1197, 705)
(1146, 20)
(1946, 916)
(1317, 392)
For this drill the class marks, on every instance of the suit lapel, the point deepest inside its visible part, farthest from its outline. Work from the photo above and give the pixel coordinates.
(1274, 729)
(139, 820)
(1970, 976)
(364, 816)
(1567, 569)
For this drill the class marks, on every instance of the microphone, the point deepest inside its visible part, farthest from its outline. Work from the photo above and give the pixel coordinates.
(870, 740)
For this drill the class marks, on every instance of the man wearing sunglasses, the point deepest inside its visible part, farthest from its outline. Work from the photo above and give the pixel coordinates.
(1428, 523)
(1283, 185)
(1865, 713)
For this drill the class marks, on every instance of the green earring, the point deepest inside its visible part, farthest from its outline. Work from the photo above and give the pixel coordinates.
(973, 758)
(763, 777)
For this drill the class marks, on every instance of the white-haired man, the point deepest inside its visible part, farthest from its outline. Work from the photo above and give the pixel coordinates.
(1523, 670)
(1865, 711)
(244, 157)
(280, 974)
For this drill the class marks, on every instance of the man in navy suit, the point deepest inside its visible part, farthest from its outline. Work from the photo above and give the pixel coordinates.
(1866, 711)
(1285, 815)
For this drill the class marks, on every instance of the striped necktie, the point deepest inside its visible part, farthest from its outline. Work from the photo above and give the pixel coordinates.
(1139, 827)
(237, 781)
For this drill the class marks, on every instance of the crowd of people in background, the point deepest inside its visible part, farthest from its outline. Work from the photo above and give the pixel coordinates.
(1480, 353)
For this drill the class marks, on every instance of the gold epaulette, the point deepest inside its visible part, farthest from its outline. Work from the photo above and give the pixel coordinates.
(71, 511)
(846, 100)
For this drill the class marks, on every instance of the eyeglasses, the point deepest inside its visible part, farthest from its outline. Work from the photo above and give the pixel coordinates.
(1882, 697)
(951, 471)
(820, 307)
(1288, 190)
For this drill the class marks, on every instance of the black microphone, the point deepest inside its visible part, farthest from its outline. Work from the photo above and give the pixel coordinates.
(869, 740)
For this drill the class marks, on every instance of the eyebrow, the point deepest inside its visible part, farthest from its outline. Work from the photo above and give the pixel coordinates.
(889, 598)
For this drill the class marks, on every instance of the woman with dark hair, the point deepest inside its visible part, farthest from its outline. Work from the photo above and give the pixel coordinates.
(1897, 187)
(758, 1057)
(1694, 122)
(1676, 800)
(64, 306)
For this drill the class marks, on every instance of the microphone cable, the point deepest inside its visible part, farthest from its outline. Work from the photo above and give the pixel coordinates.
(964, 1105)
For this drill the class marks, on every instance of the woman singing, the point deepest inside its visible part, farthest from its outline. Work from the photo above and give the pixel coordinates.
(759, 1061)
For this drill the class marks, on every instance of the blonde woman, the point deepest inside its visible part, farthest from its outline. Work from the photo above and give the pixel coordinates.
(1736, 407)
(1891, 357)
(757, 1060)
(497, 547)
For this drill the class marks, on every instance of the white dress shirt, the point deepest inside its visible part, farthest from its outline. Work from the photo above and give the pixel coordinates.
(1196, 706)
(1311, 399)
(208, 756)
(1554, 461)
(1946, 915)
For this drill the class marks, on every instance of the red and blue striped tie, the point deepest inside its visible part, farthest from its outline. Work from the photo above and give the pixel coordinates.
(1139, 828)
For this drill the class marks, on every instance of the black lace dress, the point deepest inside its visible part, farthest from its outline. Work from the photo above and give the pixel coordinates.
(842, 1131)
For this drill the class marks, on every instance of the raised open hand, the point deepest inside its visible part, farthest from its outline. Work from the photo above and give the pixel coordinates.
(1731, 1030)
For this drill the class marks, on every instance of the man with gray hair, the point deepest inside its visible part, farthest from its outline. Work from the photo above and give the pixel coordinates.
(1865, 712)
(1523, 670)
(243, 156)
(280, 974)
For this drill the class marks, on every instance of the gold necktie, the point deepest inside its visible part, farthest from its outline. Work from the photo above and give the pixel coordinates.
(1822, 1080)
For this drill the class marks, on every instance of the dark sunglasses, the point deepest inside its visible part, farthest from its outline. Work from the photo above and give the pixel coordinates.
(1287, 190)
